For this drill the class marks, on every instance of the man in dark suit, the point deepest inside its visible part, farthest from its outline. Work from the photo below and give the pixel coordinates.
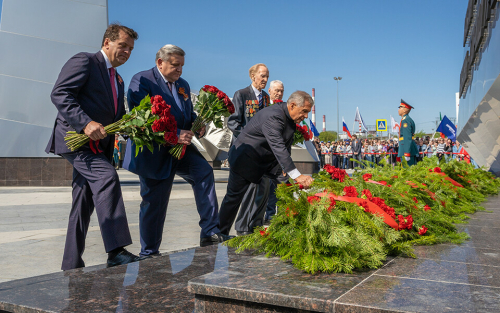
(157, 170)
(89, 94)
(356, 150)
(263, 149)
(247, 102)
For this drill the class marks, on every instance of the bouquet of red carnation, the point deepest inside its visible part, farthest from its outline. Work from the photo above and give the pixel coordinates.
(211, 106)
(301, 134)
(146, 124)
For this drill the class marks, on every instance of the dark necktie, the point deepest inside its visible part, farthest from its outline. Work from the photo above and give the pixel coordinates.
(261, 102)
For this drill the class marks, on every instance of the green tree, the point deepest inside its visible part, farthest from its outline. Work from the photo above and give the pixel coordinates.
(328, 136)
(420, 134)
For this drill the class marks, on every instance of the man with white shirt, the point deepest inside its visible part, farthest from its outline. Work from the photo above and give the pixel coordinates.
(89, 95)
(157, 170)
(247, 102)
(263, 149)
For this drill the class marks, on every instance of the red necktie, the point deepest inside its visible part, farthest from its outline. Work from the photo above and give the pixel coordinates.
(170, 86)
(113, 88)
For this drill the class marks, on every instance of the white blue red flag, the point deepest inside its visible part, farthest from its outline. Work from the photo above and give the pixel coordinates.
(344, 128)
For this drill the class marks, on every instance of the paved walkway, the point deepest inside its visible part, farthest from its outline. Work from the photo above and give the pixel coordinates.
(33, 223)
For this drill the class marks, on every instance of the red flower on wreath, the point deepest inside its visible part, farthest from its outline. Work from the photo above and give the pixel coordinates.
(415, 199)
(367, 193)
(427, 207)
(364, 204)
(437, 170)
(264, 232)
(335, 172)
(312, 199)
(367, 176)
(405, 222)
(350, 191)
(332, 205)
(422, 230)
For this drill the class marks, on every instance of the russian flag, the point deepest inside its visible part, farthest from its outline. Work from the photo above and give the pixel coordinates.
(344, 128)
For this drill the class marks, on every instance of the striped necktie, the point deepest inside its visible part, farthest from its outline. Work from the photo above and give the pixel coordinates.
(261, 102)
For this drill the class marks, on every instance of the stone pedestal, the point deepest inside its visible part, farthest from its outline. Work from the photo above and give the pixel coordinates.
(35, 172)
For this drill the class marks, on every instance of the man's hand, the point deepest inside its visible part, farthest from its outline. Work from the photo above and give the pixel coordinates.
(95, 131)
(305, 181)
(202, 131)
(185, 137)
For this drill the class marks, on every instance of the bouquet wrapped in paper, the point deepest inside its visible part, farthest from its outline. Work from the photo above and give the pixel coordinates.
(211, 106)
(150, 122)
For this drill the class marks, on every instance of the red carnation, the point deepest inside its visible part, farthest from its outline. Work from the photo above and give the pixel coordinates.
(437, 170)
(277, 101)
(350, 191)
(405, 222)
(263, 232)
(332, 205)
(312, 199)
(427, 207)
(415, 199)
(422, 230)
(367, 193)
(158, 126)
(367, 176)
(170, 138)
(364, 204)
(220, 95)
(158, 105)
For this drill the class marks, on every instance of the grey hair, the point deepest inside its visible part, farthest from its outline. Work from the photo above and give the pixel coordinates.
(274, 82)
(168, 50)
(299, 97)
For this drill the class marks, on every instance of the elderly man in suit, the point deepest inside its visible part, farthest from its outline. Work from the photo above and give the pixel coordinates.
(157, 170)
(89, 94)
(263, 149)
(247, 102)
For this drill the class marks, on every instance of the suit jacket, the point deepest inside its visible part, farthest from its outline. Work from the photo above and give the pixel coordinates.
(156, 165)
(407, 145)
(81, 94)
(246, 106)
(356, 146)
(263, 147)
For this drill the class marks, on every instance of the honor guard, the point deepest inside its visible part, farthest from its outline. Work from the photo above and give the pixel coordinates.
(407, 146)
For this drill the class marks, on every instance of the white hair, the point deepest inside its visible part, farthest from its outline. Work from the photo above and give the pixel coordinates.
(274, 82)
(299, 97)
(167, 50)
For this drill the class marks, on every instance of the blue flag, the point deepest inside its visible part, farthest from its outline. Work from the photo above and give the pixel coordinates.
(447, 128)
(313, 129)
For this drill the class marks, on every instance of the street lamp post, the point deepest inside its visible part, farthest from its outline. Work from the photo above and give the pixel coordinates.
(338, 120)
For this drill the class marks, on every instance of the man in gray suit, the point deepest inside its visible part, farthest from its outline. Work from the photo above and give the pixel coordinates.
(247, 102)
(356, 150)
(263, 149)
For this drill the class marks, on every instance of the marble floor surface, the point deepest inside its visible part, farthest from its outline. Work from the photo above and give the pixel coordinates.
(444, 278)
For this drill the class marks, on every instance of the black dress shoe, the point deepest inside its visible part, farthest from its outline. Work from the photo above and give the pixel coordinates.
(122, 257)
(243, 233)
(214, 239)
(226, 237)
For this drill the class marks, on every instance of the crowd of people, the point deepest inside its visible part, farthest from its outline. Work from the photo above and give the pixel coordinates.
(339, 153)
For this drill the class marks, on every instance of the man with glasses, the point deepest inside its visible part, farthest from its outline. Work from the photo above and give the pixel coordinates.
(407, 146)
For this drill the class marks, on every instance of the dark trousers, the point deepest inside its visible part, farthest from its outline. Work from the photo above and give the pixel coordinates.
(253, 206)
(155, 194)
(95, 183)
(271, 203)
(237, 186)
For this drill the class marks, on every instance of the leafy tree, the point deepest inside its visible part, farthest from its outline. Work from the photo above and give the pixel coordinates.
(328, 136)
(420, 134)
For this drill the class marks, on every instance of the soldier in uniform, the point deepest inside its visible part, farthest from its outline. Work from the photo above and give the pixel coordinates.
(407, 146)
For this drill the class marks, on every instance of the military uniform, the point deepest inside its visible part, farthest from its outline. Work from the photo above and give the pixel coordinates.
(407, 145)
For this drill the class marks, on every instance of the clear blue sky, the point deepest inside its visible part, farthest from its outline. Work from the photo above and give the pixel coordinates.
(383, 50)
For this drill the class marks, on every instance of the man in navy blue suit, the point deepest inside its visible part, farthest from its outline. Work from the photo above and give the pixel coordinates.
(89, 94)
(157, 170)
